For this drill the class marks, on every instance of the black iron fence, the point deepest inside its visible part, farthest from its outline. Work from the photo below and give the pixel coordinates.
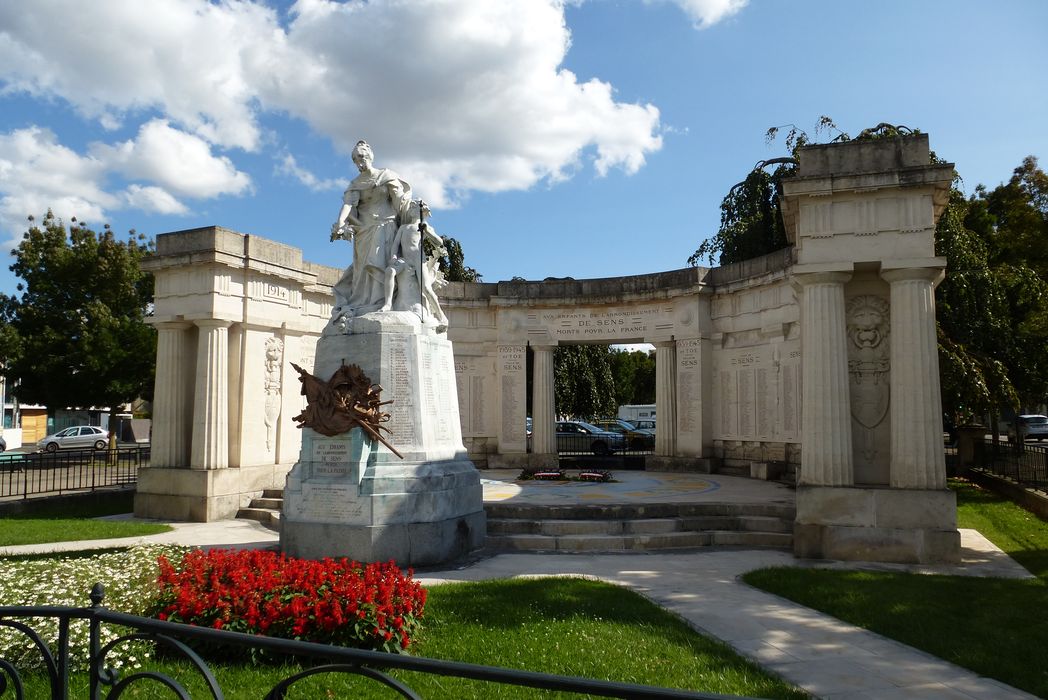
(1024, 463)
(177, 641)
(23, 475)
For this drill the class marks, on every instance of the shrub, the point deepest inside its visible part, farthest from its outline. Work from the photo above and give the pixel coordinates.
(340, 602)
(66, 579)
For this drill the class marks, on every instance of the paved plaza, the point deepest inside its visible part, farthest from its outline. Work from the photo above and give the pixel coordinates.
(825, 657)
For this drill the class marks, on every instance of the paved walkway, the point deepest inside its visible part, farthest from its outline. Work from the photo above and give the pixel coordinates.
(818, 653)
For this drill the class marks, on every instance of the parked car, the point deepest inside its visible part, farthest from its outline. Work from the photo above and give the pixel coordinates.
(636, 438)
(579, 436)
(78, 436)
(3, 444)
(644, 424)
(1028, 427)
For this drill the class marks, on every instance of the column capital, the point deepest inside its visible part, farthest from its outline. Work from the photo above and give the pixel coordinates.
(932, 275)
(212, 322)
(807, 279)
(542, 348)
(172, 325)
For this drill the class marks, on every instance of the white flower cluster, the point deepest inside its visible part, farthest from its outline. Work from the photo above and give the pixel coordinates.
(128, 577)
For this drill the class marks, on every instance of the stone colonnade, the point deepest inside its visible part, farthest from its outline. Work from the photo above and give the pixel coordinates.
(822, 354)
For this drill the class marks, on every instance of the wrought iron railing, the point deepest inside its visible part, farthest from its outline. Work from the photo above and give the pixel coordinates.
(176, 639)
(53, 473)
(1024, 463)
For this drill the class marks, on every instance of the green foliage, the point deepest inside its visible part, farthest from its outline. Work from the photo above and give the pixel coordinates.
(993, 324)
(77, 336)
(453, 263)
(583, 384)
(751, 220)
(634, 375)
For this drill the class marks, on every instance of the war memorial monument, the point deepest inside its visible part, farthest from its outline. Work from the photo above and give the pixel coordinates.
(821, 357)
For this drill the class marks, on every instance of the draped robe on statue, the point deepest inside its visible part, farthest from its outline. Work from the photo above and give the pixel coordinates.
(362, 288)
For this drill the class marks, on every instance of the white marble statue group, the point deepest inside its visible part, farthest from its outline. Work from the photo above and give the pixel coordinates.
(390, 270)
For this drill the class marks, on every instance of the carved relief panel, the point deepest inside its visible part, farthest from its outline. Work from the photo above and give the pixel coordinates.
(271, 384)
(869, 372)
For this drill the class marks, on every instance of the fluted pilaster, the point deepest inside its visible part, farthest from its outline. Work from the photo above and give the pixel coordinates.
(543, 437)
(210, 448)
(917, 459)
(168, 439)
(826, 452)
(666, 398)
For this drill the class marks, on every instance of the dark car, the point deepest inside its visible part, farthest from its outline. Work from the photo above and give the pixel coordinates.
(579, 436)
(636, 438)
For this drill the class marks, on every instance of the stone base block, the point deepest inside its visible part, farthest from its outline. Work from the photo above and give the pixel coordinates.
(531, 462)
(907, 526)
(202, 495)
(659, 463)
(340, 501)
(767, 471)
(409, 544)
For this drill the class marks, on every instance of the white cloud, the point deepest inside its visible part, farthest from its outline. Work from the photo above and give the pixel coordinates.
(458, 95)
(180, 162)
(153, 199)
(113, 58)
(37, 173)
(705, 13)
(287, 165)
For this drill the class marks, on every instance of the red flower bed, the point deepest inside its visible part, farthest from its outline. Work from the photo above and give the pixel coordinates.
(373, 606)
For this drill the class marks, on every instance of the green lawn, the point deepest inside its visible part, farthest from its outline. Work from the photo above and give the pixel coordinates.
(994, 627)
(59, 522)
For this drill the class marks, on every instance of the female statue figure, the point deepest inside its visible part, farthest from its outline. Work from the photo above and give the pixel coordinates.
(369, 218)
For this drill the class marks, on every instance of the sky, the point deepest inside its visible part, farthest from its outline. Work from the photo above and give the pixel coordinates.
(552, 138)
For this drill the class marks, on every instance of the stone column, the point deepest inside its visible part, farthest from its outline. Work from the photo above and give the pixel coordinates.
(666, 398)
(543, 437)
(826, 439)
(917, 460)
(210, 449)
(168, 440)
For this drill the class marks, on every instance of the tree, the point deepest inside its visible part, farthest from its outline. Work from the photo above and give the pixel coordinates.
(751, 218)
(452, 264)
(76, 337)
(583, 385)
(973, 315)
(633, 372)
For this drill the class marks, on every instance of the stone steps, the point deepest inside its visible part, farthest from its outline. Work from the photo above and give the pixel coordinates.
(265, 510)
(637, 527)
(611, 527)
(641, 543)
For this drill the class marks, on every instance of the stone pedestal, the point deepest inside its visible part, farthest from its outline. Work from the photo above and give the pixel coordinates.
(350, 496)
(910, 526)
